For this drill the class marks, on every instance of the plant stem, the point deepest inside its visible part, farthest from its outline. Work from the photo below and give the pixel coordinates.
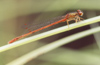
(49, 33)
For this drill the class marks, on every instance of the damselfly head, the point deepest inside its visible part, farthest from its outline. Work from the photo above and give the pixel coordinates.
(80, 12)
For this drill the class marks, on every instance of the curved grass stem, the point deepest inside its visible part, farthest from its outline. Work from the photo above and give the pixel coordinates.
(50, 33)
(35, 53)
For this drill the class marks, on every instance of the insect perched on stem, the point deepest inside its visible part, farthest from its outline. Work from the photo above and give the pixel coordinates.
(67, 18)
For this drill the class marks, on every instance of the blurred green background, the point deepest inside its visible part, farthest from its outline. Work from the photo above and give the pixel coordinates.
(15, 13)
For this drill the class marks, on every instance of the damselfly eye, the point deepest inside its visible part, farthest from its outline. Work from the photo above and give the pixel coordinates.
(80, 12)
